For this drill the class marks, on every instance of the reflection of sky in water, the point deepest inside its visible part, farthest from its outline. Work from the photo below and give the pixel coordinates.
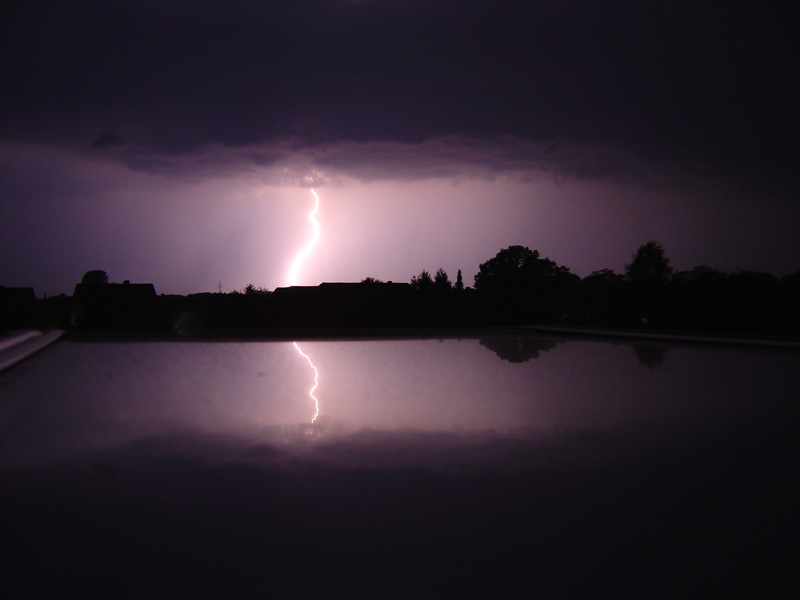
(77, 397)
(484, 466)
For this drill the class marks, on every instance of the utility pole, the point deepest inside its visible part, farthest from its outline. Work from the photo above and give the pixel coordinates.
(219, 286)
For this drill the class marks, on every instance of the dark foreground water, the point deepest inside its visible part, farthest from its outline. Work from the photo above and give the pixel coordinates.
(504, 466)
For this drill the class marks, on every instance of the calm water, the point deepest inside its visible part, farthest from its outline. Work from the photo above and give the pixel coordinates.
(429, 459)
(80, 397)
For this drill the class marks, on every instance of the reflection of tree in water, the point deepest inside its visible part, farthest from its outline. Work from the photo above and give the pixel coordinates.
(650, 355)
(518, 348)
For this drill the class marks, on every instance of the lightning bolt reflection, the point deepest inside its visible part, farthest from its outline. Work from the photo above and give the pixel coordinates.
(316, 381)
(292, 280)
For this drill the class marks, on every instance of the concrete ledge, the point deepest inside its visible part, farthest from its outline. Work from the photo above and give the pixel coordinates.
(21, 345)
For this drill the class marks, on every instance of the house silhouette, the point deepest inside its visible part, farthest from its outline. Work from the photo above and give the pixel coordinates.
(113, 305)
(344, 305)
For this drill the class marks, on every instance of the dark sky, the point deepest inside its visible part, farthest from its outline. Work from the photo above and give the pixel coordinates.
(174, 141)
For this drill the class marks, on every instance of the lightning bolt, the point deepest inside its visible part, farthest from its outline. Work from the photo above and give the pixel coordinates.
(292, 280)
(301, 256)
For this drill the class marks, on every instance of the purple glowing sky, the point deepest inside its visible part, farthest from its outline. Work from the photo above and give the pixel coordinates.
(177, 142)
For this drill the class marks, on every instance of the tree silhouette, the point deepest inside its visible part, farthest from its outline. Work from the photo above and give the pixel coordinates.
(251, 290)
(604, 298)
(441, 280)
(518, 285)
(95, 277)
(649, 266)
(507, 269)
(422, 281)
(649, 274)
(603, 278)
(459, 281)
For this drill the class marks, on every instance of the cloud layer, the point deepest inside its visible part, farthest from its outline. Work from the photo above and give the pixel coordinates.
(710, 79)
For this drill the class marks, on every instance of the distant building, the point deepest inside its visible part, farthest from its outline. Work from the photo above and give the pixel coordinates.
(343, 305)
(114, 305)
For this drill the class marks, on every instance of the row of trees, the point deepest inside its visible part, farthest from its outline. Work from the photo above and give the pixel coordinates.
(518, 285)
(440, 281)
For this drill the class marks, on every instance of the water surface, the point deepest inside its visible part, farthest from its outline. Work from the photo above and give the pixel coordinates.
(470, 463)
(81, 396)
